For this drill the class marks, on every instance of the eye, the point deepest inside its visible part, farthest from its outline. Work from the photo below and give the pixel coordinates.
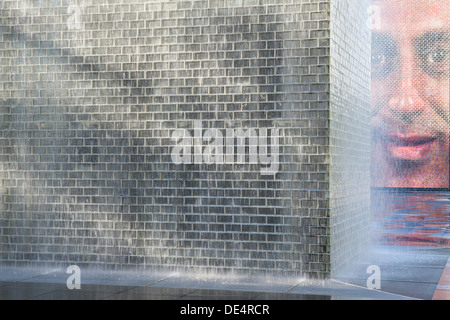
(378, 60)
(383, 56)
(382, 64)
(435, 58)
(378, 63)
(438, 56)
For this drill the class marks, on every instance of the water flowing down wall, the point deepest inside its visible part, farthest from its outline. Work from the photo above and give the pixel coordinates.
(212, 136)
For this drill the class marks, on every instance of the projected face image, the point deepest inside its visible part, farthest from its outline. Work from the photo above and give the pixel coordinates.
(410, 94)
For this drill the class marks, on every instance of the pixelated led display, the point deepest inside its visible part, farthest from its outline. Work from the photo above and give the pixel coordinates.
(410, 94)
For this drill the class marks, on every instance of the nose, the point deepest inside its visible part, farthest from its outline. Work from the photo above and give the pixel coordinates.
(406, 104)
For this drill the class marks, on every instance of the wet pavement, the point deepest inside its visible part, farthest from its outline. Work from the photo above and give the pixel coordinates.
(27, 284)
(414, 272)
(410, 254)
(406, 274)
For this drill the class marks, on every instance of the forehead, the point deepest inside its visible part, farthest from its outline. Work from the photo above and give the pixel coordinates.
(414, 16)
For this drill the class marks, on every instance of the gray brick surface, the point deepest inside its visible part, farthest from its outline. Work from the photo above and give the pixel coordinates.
(91, 93)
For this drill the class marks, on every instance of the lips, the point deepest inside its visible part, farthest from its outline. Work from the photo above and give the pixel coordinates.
(409, 147)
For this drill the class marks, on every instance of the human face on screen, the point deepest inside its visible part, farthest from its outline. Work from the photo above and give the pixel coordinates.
(410, 94)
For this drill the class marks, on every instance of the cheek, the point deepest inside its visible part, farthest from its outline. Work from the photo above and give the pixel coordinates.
(442, 155)
(436, 91)
(445, 95)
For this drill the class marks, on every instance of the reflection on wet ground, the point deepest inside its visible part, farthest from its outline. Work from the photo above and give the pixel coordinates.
(410, 245)
(411, 218)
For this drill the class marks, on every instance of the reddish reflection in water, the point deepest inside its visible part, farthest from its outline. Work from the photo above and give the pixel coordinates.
(411, 218)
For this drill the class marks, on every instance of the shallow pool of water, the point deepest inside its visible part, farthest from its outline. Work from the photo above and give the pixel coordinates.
(411, 218)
